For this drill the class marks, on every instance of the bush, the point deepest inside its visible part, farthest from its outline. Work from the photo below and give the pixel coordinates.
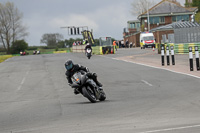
(56, 49)
(19, 45)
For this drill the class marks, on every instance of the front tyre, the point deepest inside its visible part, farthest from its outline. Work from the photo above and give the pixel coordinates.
(103, 96)
(90, 94)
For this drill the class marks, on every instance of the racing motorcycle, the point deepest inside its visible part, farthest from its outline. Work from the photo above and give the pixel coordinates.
(88, 52)
(87, 87)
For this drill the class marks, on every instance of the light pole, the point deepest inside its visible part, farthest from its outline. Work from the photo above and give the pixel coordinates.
(148, 17)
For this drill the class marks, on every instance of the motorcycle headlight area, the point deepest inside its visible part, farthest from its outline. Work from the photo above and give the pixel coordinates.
(77, 80)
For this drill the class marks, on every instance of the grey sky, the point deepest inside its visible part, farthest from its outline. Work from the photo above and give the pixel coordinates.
(105, 17)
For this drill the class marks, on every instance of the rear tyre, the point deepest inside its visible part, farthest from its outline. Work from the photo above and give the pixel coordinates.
(90, 94)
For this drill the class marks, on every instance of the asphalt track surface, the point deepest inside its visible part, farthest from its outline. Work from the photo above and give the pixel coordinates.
(35, 97)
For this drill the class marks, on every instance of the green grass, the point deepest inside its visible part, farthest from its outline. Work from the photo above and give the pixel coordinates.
(4, 57)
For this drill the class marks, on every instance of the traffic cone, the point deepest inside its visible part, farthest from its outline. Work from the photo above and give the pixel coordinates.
(153, 49)
(111, 51)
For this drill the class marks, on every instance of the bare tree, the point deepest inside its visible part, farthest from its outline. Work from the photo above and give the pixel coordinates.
(11, 28)
(51, 39)
(141, 6)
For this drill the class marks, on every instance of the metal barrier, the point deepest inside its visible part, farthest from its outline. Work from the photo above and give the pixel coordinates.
(98, 50)
(183, 48)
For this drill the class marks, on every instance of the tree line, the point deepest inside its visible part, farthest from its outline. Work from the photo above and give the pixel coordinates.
(11, 27)
(196, 3)
(53, 40)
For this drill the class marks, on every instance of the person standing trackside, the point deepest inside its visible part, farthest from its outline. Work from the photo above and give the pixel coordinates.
(114, 45)
(127, 43)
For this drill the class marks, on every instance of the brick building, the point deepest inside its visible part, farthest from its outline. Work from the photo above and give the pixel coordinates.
(163, 13)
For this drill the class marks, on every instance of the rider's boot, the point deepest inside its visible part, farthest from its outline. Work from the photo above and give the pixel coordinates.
(95, 79)
(98, 83)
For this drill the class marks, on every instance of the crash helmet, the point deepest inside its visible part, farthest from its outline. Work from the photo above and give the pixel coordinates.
(69, 65)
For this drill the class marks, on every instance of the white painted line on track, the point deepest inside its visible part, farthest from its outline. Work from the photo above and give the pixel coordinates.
(155, 67)
(146, 82)
(22, 82)
(19, 88)
(171, 129)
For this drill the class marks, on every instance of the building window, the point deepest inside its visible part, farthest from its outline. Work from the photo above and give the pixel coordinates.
(155, 20)
(186, 17)
(132, 25)
(180, 17)
(138, 25)
(162, 20)
(173, 18)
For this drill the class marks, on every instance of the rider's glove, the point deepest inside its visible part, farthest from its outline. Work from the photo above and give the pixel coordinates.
(94, 74)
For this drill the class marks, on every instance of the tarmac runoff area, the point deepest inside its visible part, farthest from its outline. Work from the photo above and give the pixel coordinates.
(153, 59)
(35, 96)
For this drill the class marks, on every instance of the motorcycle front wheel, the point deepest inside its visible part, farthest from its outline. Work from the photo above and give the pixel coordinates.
(103, 96)
(90, 94)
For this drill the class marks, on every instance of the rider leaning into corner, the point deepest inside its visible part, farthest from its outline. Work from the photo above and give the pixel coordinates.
(73, 68)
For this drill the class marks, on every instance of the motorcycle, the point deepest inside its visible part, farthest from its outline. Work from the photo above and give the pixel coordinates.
(88, 52)
(87, 87)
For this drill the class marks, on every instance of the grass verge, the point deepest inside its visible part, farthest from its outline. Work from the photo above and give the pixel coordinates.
(4, 57)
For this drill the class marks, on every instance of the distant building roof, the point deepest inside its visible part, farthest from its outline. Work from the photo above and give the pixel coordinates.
(168, 7)
(180, 24)
(133, 21)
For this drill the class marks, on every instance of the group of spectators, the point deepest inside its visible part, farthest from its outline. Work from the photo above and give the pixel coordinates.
(77, 43)
(121, 44)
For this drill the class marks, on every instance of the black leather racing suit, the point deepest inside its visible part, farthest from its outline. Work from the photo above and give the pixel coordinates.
(78, 67)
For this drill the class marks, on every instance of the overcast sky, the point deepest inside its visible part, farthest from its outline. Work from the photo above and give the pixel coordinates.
(105, 17)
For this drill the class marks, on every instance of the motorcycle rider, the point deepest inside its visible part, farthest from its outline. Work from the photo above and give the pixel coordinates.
(88, 46)
(73, 68)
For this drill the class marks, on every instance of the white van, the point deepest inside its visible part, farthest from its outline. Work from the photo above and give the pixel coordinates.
(147, 40)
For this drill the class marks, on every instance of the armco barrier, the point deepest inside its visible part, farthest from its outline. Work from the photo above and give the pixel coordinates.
(98, 50)
(78, 48)
(183, 47)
